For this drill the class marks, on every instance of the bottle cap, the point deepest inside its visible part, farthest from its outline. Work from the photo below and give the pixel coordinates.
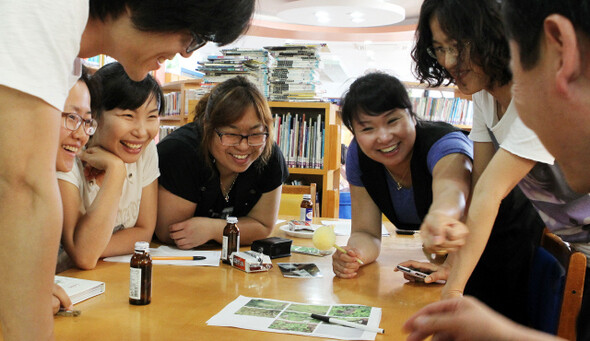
(307, 197)
(232, 220)
(142, 246)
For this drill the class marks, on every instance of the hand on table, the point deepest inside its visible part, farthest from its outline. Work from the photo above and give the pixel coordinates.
(345, 265)
(441, 233)
(460, 319)
(437, 272)
(60, 299)
(189, 233)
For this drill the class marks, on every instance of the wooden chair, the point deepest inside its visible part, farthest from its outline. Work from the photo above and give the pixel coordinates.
(291, 199)
(570, 283)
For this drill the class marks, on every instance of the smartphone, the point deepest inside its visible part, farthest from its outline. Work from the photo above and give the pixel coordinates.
(420, 274)
(414, 272)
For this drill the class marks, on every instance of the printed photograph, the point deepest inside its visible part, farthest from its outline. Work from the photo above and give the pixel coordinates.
(350, 311)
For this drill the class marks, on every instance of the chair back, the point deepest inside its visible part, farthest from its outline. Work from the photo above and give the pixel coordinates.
(291, 197)
(556, 287)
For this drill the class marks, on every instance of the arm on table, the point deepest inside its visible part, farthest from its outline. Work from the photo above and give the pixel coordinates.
(365, 237)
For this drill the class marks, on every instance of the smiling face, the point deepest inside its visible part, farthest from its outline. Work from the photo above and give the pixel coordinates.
(468, 76)
(140, 51)
(126, 133)
(388, 138)
(70, 142)
(237, 159)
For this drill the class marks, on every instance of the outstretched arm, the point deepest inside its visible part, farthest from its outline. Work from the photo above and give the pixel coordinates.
(499, 178)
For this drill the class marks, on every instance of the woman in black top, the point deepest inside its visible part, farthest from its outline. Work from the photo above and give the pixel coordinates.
(224, 164)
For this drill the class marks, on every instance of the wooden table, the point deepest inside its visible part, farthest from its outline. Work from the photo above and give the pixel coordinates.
(184, 298)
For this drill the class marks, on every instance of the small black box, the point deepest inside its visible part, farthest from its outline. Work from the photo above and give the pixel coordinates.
(274, 247)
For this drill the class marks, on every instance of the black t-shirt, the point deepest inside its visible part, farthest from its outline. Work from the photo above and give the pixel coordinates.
(184, 173)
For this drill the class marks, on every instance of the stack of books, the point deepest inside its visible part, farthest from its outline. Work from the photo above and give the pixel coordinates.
(250, 63)
(294, 73)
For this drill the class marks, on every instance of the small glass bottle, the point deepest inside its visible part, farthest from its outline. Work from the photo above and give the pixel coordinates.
(306, 211)
(140, 277)
(231, 239)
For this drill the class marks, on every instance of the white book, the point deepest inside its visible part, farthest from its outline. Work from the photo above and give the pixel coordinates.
(79, 289)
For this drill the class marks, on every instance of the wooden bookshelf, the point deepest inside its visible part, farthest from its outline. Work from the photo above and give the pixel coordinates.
(328, 177)
(187, 107)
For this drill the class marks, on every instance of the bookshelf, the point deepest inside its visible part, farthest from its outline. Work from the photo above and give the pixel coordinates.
(446, 103)
(327, 174)
(183, 103)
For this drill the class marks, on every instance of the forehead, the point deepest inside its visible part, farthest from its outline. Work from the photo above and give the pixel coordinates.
(438, 35)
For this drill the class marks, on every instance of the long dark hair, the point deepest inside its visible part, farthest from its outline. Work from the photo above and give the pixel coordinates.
(475, 25)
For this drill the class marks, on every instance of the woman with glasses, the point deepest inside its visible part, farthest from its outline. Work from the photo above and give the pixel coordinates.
(463, 42)
(225, 163)
(415, 172)
(110, 196)
(77, 126)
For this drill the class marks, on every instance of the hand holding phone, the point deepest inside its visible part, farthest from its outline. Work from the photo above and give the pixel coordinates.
(419, 274)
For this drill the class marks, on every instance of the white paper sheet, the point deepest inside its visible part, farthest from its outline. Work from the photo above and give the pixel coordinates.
(211, 260)
(294, 318)
(342, 227)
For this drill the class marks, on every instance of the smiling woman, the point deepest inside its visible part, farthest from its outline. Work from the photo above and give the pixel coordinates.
(415, 172)
(224, 164)
(114, 181)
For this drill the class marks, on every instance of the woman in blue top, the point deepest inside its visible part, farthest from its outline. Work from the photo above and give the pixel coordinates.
(414, 172)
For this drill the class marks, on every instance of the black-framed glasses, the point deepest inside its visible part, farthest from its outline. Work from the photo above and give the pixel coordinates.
(439, 52)
(73, 121)
(227, 139)
(196, 43)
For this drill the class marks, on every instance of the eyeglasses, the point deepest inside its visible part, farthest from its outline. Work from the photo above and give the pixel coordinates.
(196, 43)
(440, 52)
(73, 121)
(254, 140)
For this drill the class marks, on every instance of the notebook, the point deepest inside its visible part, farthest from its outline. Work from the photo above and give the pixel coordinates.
(80, 289)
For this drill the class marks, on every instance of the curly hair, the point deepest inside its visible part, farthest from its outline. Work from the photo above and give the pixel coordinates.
(475, 25)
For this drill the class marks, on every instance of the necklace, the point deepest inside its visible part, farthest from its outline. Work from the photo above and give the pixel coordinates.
(398, 185)
(226, 194)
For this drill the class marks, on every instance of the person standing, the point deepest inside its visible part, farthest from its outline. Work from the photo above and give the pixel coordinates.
(40, 43)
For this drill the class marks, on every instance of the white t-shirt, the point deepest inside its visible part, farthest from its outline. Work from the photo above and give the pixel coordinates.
(564, 212)
(512, 135)
(39, 43)
(139, 174)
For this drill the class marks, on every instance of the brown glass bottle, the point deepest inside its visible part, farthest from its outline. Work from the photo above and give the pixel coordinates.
(231, 239)
(140, 277)
(306, 211)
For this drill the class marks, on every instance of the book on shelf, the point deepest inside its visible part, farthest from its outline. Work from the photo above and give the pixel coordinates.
(300, 139)
(451, 110)
(79, 289)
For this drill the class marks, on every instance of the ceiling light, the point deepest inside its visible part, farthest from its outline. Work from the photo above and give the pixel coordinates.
(342, 13)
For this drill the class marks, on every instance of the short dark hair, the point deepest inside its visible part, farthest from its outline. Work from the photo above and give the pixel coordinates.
(225, 104)
(220, 21)
(373, 94)
(524, 22)
(117, 90)
(474, 22)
